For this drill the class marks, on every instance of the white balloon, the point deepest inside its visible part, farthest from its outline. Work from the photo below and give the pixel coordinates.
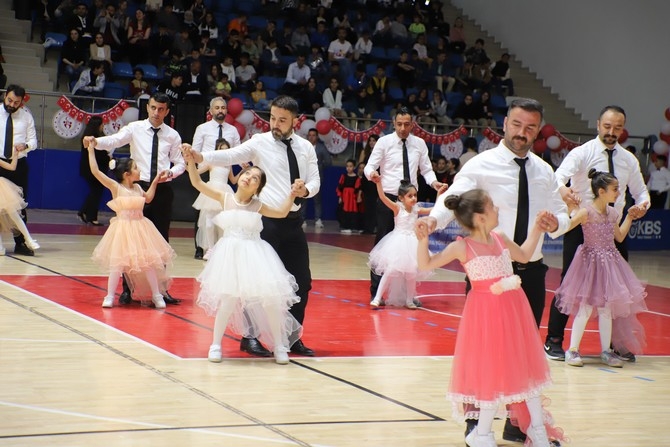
(305, 126)
(553, 142)
(327, 138)
(245, 118)
(665, 128)
(130, 114)
(322, 113)
(661, 147)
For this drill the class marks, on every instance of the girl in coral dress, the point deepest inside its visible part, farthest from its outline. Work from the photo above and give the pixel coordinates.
(394, 257)
(208, 233)
(600, 278)
(11, 204)
(245, 283)
(498, 357)
(131, 245)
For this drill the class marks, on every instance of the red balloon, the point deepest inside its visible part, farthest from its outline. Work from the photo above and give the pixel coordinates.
(235, 107)
(323, 127)
(240, 129)
(623, 137)
(540, 146)
(547, 130)
(230, 119)
(667, 114)
(665, 137)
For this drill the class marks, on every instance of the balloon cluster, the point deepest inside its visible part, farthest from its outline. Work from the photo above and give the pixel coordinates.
(662, 146)
(550, 138)
(328, 126)
(239, 117)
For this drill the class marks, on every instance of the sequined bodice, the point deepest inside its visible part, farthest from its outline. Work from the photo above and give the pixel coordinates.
(487, 261)
(404, 221)
(599, 230)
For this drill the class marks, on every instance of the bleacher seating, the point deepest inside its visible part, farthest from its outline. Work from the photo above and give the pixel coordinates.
(151, 73)
(122, 70)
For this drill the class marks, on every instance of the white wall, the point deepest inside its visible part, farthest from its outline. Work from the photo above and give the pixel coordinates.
(591, 53)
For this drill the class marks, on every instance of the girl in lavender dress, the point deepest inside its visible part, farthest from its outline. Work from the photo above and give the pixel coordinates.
(600, 278)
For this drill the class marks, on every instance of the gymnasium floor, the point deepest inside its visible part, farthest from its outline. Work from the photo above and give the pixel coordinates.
(75, 374)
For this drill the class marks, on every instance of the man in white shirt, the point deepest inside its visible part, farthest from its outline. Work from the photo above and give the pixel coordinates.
(204, 140)
(499, 171)
(297, 75)
(155, 147)
(17, 131)
(340, 50)
(387, 156)
(290, 163)
(605, 154)
(659, 183)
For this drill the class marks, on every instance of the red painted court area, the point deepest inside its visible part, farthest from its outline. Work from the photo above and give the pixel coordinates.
(339, 321)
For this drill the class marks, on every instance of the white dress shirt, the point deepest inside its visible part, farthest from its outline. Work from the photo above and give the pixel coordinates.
(496, 172)
(332, 100)
(270, 155)
(659, 180)
(387, 156)
(206, 134)
(139, 136)
(23, 125)
(580, 160)
(295, 74)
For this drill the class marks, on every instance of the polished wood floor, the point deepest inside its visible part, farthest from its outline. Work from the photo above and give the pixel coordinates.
(74, 374)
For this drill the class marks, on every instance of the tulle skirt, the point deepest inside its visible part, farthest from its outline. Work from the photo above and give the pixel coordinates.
(11, 201)
(602, 278)
(245, 278)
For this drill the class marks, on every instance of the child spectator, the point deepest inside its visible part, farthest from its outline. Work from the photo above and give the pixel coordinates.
(349, 196)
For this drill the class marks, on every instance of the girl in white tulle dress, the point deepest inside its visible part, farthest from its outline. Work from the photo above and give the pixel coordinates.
(394, 257)
(208, 233)
(11, 204)
(244, 282)
(132, 245)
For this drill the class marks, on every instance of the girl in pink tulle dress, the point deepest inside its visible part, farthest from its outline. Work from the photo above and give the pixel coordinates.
(131, 245)
(394, 257)
(11, 204)
(498, 358)
(600, 278)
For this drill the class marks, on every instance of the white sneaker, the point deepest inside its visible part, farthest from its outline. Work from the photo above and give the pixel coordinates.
(375, 303)
(473, 439)
(32, 244)
(609, 359)
(410, 305)
(345, 231)
(108, 301)
(207, 254)
(318, 224)
(158, 301)
(538, 435)
(214, 355)
(281, 356)
(573, 358)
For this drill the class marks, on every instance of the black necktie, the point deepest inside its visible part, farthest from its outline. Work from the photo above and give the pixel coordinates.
(405, 161)
(9, 137)
(610, 160)
(293, 170)
(154, 154)
(220, 131)
(522, 213)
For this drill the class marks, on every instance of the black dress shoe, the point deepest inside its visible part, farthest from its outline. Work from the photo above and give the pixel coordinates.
(125, 297)
(22, 249)
(82, 217)
(169, 299)
(199, 253)
(513, 433)
(300, 349)
(254, 347)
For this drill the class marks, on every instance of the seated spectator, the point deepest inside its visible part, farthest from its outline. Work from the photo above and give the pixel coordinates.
(81, 23)
(297, 75)
(175, 64)
(487, 109)
(210, 25)
(245, 74)
(442, 170)
(139, 32)
(382, 35)
(315, 61)
(138, 86)
(195, 83)
(199, 11)
(340, 50)
(422, 110)
(213, 78)
(259, 97)
(173, 87)
(320, 37)
(231, 46)
(441, 46)
(239, 24)
(363, 48)
(311, 98)
(269, 33)
(470, 150)
(224, 88)
(405, 72)
(399, 31)
(332, 98)
(248, 46)
(284, 40)
(356, 94)
(361, 24)
(270, 62)
(443, 74)
(99, 51)
(457, 36)
(469, 113)
(341, 20)
(438, 109)
(228, 69)
(73, 55)
(191, 27)
(183, 41)
(422, 50)
(207, 47)
(160, 43)
(300, 40)
(477, 54)
(416, 28)
(471, 79)
(167, 17)
(108, 24)
(501, 76)
(91, 80)
(378, 89)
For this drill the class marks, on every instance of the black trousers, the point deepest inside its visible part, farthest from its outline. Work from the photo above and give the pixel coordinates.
(571, 241)
(159, 211)
(20, 178)
(385, 224)
(92, 201)
(658, 199)
(288, 240)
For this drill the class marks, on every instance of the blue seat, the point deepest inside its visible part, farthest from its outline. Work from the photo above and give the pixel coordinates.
(57, 41)
(393, 54)
(114, 90)
(396, 93)
(272, 82)
(498, 103)
(150, 72)
(256, 23)
(378, 53)
(122, 70)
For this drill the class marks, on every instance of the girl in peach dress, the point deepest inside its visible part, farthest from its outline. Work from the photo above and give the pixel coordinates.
(131, 245)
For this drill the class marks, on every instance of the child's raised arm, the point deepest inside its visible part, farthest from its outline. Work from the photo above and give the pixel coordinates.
(285, 207)
(151, 192)
(201, 186)
(11, 166)
(620, 232)
(426, 261)
(386, 201)
(106, 181)
(524, 252)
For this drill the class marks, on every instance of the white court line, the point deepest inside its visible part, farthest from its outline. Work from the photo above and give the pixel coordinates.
(143, 424)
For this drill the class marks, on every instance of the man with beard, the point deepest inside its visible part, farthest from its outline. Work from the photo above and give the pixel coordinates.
(204, 140)
(290, 162)
(604, 154)
(17, 130)
(506, 172)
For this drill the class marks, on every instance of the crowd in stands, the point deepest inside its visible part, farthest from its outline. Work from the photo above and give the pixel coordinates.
(359, 58)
